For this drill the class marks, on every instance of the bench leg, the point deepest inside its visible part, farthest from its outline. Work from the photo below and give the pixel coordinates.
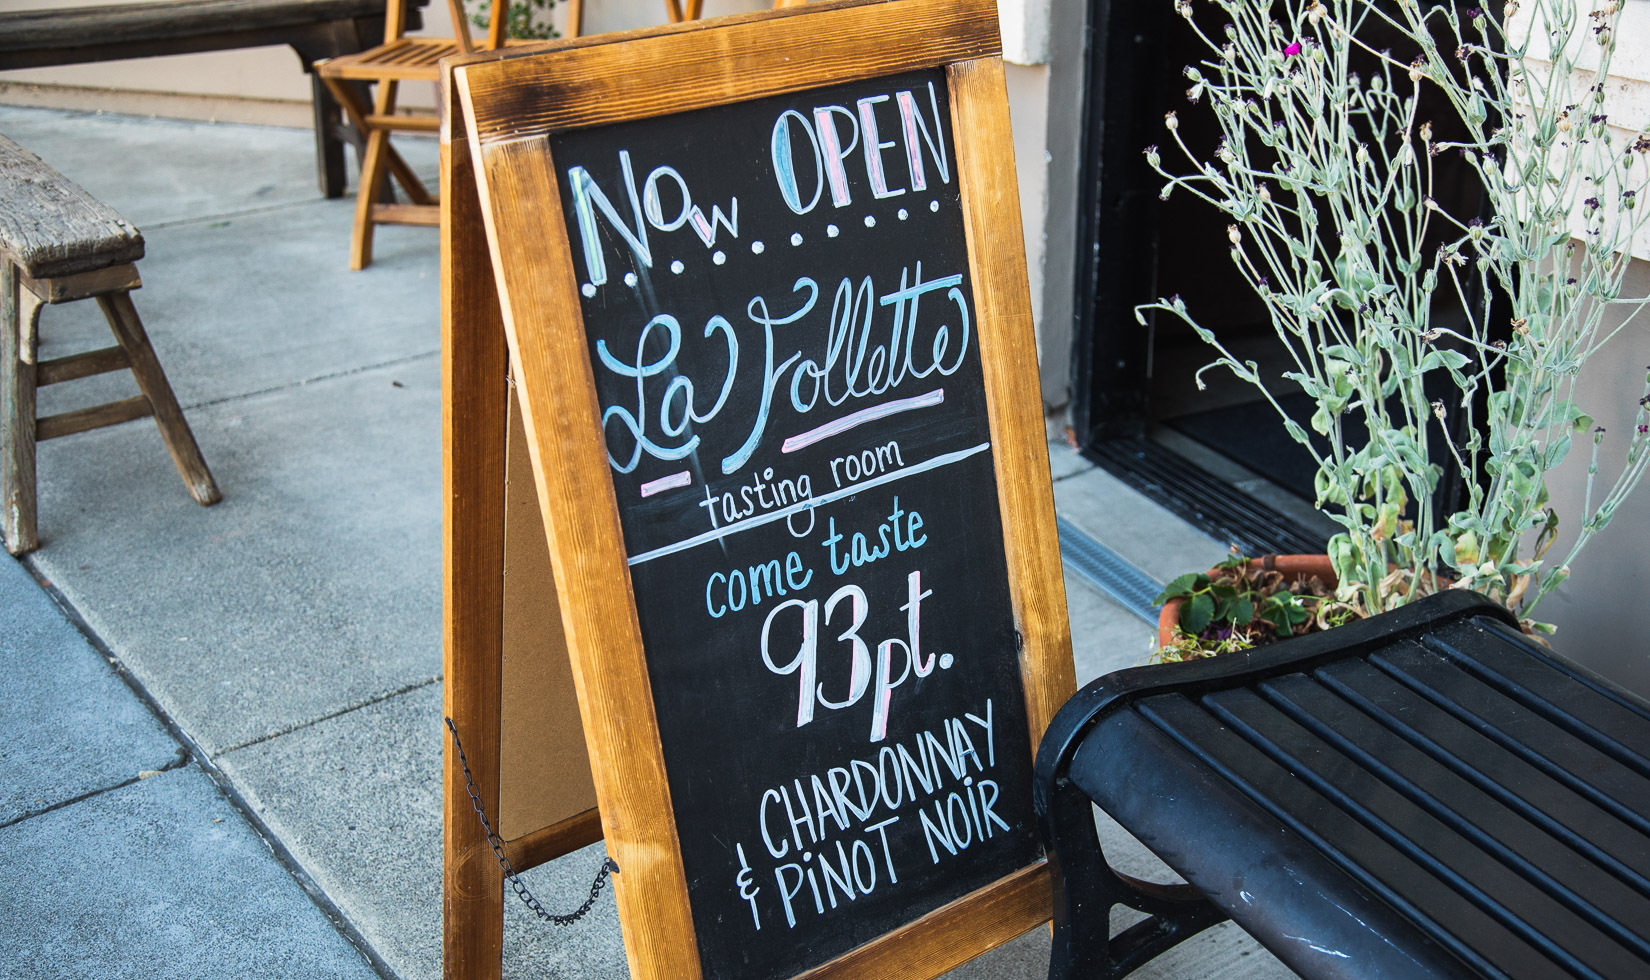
(180, 442)
(17, 375)
(1086, 887)
(329, 149)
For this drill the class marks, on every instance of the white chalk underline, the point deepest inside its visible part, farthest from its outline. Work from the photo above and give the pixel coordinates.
(748, 523)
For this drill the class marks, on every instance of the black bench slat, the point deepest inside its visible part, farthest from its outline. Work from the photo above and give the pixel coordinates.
(22, 30)
(1552, 861)
(1559, 693)
(1427, 845)
(1582, 766)
(1498, 772)
(1205, 827)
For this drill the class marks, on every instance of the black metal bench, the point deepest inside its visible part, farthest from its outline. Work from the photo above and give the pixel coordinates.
(315, 29)
(1424, 794)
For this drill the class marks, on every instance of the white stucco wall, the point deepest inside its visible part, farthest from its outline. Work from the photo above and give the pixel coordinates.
(1599, 610)
(1025, 29)
(1627, 88)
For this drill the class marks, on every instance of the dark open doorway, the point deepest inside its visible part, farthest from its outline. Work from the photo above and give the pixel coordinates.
(1218, 456)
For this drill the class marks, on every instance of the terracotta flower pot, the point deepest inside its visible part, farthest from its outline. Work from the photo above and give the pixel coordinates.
(1293, 567)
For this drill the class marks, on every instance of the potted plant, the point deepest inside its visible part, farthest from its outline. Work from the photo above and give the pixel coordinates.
(524, 20)
(1324, 171)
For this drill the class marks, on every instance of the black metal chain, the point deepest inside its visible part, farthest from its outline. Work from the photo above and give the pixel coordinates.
(609, 866)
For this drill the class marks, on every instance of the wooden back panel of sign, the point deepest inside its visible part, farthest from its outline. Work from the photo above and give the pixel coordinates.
(544, 767)
(712, 880)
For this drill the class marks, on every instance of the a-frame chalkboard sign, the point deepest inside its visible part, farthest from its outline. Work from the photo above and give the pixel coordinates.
(768, 325)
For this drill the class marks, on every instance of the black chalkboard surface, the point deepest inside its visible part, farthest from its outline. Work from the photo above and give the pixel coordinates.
(782, 329)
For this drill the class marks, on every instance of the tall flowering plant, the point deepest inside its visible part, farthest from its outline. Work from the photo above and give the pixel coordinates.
(1327, 177)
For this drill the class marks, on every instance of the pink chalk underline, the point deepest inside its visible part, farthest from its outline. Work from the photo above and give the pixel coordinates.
(670, 482)
(864, 415)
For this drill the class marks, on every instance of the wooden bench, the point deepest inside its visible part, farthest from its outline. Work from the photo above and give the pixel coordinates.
(315, 29)
(1430, 794)
(58, 244)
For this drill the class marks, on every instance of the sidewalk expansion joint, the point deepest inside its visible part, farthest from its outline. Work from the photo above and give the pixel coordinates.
(192, 752)
(301, 382)
(252, 212)
(226, 216)
(347, 709)
(179, 761)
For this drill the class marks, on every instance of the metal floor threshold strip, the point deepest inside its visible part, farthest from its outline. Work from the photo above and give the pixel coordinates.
(1220, 509)
(1108, 571)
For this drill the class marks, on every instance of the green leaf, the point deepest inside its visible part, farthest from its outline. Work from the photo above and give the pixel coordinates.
(1196, 614)
(1322, 421)
(1556, 452)
(1454, 360)
(1182, 587)
(1284, 612)
(1241, 612)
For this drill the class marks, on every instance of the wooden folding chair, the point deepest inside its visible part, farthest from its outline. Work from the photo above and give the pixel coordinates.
(401, 59)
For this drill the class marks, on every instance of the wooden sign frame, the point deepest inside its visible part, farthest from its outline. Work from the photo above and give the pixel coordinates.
(478, 458)
(510, 103)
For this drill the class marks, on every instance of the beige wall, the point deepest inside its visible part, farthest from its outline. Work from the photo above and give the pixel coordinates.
(261, 85)
(1028, 110)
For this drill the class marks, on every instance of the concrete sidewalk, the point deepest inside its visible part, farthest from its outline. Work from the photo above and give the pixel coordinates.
(117, 851)
(277, 657)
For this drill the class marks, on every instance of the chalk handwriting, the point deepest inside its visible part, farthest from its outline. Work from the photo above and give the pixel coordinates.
(805, 626)
(860, 361)
(829, 832)
(590, 203)
(834, 131)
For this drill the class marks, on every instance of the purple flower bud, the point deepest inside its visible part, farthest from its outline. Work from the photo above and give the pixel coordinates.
(1292, 50)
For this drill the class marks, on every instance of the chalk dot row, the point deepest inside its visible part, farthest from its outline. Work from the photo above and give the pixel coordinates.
(720, 257)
